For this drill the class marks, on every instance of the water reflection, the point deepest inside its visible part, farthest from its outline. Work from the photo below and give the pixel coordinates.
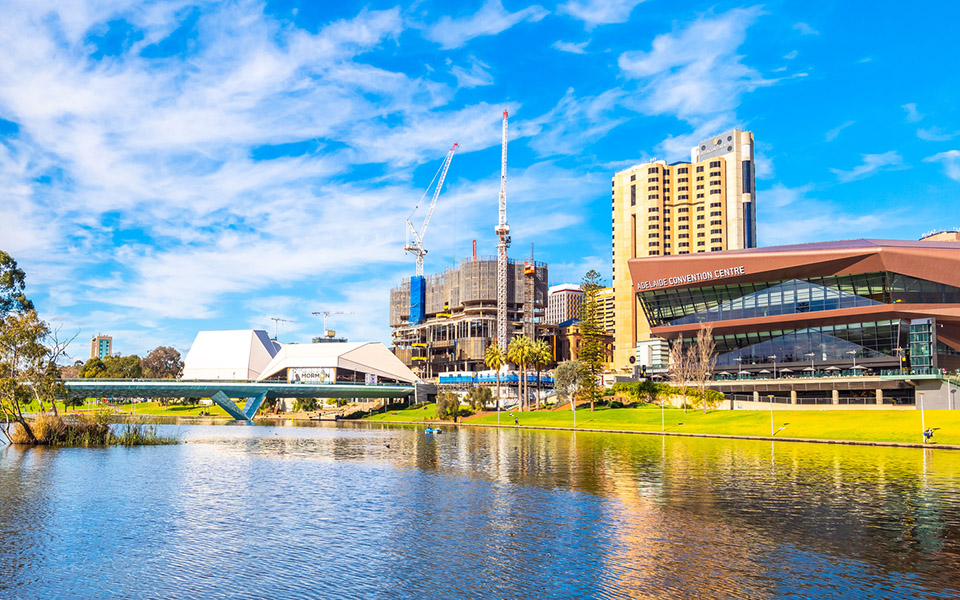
(357, 510)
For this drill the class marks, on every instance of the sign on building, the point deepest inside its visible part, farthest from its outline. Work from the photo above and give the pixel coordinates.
(311, 375)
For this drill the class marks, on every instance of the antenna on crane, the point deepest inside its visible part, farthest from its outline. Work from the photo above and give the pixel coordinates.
(503, 233)
(415, 247)
(276, 324)
(327, 313)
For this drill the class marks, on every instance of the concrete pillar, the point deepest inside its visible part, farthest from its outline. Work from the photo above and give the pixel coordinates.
(756, 396)
(793, 396)
(879, 397)
(836, 396)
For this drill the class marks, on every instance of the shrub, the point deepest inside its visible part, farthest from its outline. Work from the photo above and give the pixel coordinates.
(304, 404)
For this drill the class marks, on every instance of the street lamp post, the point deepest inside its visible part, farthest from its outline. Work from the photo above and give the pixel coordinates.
(739, 360)
(900, 359)
(853, 353)
(774, 357)
(953, 393)
(770, 396)
(813, 369)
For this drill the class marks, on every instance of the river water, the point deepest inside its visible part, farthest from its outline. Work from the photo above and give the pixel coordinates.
(379, 511)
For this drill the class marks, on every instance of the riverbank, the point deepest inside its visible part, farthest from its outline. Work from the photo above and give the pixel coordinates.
(868, 427)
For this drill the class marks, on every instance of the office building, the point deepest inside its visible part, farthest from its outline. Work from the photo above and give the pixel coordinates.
(815, 311)
(660, 209)
(101, 346)
(563, 303)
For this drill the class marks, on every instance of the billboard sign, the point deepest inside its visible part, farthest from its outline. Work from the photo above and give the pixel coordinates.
(311, 375)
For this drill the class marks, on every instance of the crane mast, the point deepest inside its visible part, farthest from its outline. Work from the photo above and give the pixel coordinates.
(415, 247)
(503, 235)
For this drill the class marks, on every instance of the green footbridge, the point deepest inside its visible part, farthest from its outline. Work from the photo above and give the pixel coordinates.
(222, 393)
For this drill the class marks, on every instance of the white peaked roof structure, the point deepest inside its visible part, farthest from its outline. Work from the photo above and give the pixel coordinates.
(234, 355)
(368, 358)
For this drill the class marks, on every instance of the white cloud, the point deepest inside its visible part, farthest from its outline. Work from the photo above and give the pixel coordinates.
(477, 75)
(833, 133)
(780, 195)
(575, 123)
(872, 164)
(677, 147)
(791, 55)
(935, 134)
(491, 19)
(600, 12)
(912, 115)
(950, 161)
(764, 164)
(805, 29)
(695, 71)
(571, 47)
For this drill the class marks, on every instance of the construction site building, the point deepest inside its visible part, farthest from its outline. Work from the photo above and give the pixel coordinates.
(450, 323)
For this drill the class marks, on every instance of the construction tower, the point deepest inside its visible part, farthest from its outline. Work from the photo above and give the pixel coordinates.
(503, 235)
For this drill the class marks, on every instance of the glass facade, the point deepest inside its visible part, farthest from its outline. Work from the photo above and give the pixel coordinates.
(724, 302)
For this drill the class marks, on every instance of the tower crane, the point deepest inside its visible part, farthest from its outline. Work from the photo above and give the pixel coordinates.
(327, 313)
(276, 324)
(503, 235)
(415, 246)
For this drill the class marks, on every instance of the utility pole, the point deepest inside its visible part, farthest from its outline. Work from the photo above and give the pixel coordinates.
(503, 234)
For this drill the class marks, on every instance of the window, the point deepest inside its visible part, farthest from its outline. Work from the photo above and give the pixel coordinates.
(653, 170)
(683, 209)
(700, 217)
(654, 218)
(683, 180)
(747, 177)
(653, 179)
(633, 195)
(682, 170)
(683, 236)
(633, 178)
(667, 210)
(716, 213)
(683, 227)
(716, 240)
(653, 209)
(700, 187)
(653, 235)
(715, 182)
(717, 222)
(715, 231)
(653, 197)
(683, 218)
(716, 191)
(683, 197)
(652, 188)
(700, 169)
(682, 188)
(699, 195)
(716, 249)
(700, 178)
(700, 225)
(714, 164)
(716, 204)
(701, 244)
(714, 173)
(684, 244)
(701, 234)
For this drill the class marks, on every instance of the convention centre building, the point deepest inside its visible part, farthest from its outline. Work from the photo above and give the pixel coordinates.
(880, 309)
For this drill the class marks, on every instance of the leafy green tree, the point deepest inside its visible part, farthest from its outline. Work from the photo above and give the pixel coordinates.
(123, 367)
(12, 282)
(93, 369)
(518, 352)
(479, 397)
(592, 353)
(448, 405)
(567, 378)
(28, 354)
(540, 357)
(163, 362)
(304, 404)
(494, 358)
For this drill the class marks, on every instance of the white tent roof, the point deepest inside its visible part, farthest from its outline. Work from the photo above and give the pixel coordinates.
(363, 357)
(238, 354)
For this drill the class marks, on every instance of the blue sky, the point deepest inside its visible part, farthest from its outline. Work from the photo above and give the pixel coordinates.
(167, 167)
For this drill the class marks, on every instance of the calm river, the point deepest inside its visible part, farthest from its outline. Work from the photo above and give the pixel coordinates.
(376, 511)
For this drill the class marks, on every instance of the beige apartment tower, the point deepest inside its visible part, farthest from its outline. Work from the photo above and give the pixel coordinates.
(705, 205)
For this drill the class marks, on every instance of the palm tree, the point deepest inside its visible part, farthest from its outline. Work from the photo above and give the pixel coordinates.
(518, 352)
(540, 357)
(494, 359)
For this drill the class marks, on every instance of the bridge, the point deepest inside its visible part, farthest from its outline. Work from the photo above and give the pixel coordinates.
(222, 392)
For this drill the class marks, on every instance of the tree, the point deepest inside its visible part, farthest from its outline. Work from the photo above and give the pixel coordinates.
(12, 281)
(93, 368)
(592, 353)
(702, 358)
(28, 354)
(567, 377)
(518, 352)
(163, 362)
(448, 405)
(494, 359)
(479, 397)
(540, 357)
(112, 367)
(680, 368)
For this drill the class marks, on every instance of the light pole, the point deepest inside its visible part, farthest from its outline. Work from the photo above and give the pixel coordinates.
(953, 392)
(739, 360)
(923, 425)
(813, 369)
(770, 396)
(900, 359)
(853, 353)
(774, 357)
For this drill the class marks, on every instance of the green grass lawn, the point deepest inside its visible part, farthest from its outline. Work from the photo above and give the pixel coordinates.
(425, 413)
(154, 408)
(885, 425)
